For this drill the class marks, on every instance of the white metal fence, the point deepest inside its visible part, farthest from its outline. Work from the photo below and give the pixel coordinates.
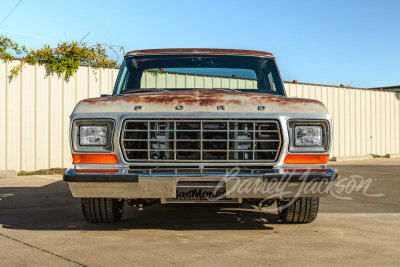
(35, 109)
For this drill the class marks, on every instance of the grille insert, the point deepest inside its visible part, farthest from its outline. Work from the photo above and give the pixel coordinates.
(201, 140)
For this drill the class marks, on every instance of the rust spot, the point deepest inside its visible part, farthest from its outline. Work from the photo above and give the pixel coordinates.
(203, 98)
(200, 51)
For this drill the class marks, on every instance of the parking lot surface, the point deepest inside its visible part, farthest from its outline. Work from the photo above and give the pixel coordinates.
(359, 224)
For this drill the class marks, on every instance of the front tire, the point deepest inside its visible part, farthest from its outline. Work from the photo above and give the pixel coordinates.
(102, 210)
(301, 210)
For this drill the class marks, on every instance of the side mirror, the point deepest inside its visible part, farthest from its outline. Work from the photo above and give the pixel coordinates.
(105, 95)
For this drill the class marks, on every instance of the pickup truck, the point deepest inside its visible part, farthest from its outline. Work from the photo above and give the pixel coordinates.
(200, 127)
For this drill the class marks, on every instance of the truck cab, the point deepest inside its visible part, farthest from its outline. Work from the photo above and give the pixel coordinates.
(200, 127)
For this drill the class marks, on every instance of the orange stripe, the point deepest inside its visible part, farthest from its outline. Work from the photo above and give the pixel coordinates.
(96, 170)
(94, 158)
(305, 170)
(306, 159)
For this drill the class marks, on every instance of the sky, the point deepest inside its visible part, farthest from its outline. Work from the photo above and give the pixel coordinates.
(355, 43)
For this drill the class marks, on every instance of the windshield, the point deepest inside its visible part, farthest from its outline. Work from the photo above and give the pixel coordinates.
(247, 74)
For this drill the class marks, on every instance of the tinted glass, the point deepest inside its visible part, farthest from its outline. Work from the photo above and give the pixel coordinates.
(249, 74)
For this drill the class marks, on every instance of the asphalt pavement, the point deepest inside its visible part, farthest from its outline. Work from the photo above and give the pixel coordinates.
(358, 224)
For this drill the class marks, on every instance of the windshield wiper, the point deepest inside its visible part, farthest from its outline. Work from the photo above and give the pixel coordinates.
(142, 90)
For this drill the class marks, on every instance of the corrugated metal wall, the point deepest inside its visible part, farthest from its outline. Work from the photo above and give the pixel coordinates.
(34, 114)
(35, 109)
(168, 80)
(364, 121)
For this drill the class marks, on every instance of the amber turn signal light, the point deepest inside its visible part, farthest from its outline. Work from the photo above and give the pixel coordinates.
(305, 170)
(94, 159)
(96, 170)
(306, 159)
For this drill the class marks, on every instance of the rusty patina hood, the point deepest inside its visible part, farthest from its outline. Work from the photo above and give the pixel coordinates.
(199, 101)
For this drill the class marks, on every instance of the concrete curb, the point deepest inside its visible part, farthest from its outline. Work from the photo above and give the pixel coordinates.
(338, 159)
(391, 156)
(8, 174)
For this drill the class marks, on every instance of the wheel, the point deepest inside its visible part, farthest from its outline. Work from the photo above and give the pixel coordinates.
(302, 210)
(102, 210)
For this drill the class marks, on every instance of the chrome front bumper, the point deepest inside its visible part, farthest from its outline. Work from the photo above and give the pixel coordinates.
(272, 185)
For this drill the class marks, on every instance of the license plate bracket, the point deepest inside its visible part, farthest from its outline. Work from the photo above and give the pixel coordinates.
(201, 192)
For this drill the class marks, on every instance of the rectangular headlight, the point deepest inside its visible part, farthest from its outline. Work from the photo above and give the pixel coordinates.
(310, 136)
(93, 135)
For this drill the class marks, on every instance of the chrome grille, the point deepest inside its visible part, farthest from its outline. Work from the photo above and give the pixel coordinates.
(201, 140)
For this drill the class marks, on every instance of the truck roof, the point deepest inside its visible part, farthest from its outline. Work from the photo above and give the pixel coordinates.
(197, 51)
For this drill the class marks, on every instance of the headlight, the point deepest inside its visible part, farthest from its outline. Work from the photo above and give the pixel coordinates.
(93, 135)
(308, 136)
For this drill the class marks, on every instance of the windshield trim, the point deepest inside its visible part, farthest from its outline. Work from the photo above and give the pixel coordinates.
(270, 58)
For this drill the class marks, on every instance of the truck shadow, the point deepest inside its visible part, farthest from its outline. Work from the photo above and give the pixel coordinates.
(52, 207)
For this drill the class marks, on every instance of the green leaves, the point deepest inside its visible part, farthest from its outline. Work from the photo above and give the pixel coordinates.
(6, 43)
(65, 58)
